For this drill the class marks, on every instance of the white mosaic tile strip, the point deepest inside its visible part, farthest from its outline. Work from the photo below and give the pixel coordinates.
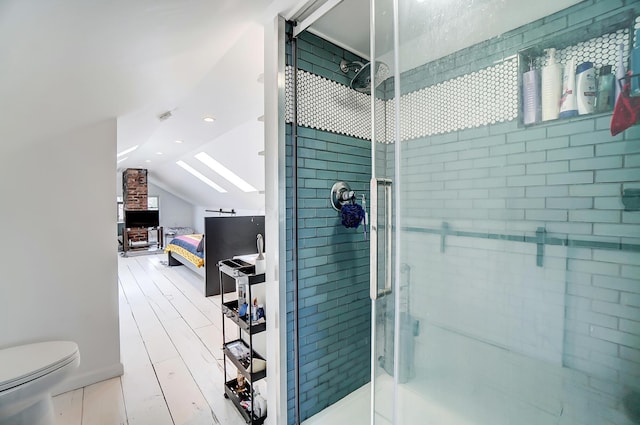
(288, 94)
(382, 121)
(391, 121)
(327, 105)
(483, 97)
(487, 96)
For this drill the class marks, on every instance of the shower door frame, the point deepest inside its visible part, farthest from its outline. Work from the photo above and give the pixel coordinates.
(275, 216)
(391, 267)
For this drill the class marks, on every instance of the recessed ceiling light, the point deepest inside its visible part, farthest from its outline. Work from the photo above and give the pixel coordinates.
(158, 153)
(126, 151)
(147, 160)
(122, 159)
(225, 172)
(208, 119)
(202, 178)
(179, 141)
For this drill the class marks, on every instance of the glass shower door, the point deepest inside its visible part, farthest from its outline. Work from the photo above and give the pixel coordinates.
(382, 290)
(508, 254)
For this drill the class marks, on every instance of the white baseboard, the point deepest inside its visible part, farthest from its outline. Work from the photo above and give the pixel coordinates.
(88, 378)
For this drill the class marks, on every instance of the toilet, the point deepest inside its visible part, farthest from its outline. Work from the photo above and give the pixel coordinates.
(28, 374)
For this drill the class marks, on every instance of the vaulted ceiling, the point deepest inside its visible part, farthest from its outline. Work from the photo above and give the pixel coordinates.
(69, 63)
(65, 64)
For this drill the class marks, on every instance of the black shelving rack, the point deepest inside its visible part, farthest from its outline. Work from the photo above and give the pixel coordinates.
(243, 399)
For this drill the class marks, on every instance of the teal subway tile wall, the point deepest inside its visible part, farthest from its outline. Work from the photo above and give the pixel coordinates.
(503, 180)
(497, 179)
(332, 261)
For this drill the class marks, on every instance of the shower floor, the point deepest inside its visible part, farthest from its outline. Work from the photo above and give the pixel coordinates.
(442, 405)
(354, 409)
(491, 387)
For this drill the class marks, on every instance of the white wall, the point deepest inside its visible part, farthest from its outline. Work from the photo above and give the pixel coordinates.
(59, 257)
(174, 212)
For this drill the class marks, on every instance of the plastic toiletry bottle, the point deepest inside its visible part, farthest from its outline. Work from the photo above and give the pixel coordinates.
(635, 66)
(254, 310)
(568, 106)
(531, 95)
(585, 88)
(604, 98)
(242, 292)
(620, 72)
(551, 87)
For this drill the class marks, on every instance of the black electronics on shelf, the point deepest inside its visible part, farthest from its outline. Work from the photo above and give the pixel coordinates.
(250, 365)
(141, 218)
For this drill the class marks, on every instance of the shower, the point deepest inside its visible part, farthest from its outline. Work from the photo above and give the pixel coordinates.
(362, 80)
(501, 284)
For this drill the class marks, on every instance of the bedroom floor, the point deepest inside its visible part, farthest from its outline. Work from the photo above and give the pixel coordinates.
(170, 348)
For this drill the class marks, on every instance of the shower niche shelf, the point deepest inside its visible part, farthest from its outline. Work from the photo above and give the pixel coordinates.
(249, 364)
(596, 43)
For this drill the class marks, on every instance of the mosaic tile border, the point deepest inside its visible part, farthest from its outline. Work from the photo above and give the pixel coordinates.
(486, 96)
(327, 105)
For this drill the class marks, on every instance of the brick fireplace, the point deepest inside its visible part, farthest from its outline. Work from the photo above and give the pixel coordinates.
(134, 197)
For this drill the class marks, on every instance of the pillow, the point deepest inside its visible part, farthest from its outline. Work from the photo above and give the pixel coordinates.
(200, 247)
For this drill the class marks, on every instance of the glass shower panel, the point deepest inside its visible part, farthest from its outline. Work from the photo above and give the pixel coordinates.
(382, 259)
(516, 290)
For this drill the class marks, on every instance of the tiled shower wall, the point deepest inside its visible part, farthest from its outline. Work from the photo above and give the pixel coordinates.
(333, 261)
(578, 313)
(577, 316)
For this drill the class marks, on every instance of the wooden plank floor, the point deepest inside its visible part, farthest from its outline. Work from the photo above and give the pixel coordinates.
(170, 336)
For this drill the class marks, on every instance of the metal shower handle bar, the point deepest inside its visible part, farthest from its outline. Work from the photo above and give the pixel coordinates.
(374, 293)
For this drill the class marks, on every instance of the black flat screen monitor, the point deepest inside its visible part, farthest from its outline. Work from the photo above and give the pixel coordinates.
(141, 218)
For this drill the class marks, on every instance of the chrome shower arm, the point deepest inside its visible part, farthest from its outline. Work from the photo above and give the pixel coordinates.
(346, 66)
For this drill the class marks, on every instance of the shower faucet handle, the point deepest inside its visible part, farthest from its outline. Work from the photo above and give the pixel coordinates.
(348, 195)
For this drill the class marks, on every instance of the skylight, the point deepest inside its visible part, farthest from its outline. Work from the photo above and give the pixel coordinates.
(126, 151)
(225, 172)
(200, 176)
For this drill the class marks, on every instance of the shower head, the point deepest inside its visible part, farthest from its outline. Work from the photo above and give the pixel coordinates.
(362, 81)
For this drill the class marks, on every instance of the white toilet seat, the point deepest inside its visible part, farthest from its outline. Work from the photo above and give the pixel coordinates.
(19, 365)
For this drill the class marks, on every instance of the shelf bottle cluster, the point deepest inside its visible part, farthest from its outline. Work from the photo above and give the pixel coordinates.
(249, 318)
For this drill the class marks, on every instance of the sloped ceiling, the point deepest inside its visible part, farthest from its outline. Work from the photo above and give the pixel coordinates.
(68, 63)
(232, 93)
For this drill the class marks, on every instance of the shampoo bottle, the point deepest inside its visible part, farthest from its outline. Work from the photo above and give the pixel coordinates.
(604, 98)
(551, 87)
(585, 88)
(531, 95)
(635, 66)
(568, 106)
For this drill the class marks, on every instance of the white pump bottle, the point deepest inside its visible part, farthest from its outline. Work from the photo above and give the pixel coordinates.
(551, 87)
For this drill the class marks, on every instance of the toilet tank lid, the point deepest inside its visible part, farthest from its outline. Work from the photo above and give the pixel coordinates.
(25, 361)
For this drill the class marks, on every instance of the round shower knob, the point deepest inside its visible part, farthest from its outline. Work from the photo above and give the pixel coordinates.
(341, 193)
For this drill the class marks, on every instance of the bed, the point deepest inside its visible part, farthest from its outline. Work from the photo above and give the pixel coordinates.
(187, 250)
(224, 238)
